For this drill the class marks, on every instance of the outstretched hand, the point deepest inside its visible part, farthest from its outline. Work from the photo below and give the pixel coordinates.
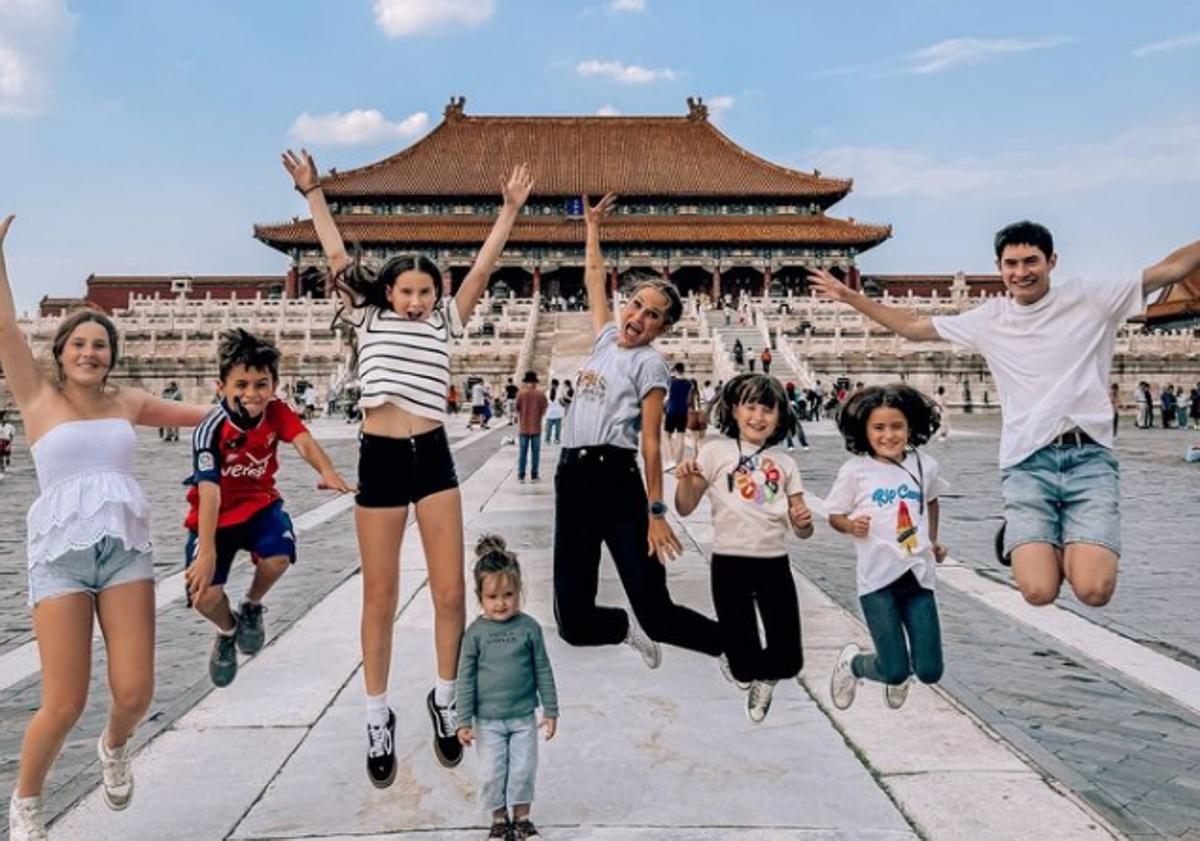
(593, 215)
(517, 187)
(302, 168)
(826, 285)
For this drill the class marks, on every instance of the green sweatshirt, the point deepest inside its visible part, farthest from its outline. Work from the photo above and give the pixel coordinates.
(503, 670)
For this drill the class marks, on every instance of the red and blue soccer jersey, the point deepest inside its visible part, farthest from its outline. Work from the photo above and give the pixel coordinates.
(242, 461)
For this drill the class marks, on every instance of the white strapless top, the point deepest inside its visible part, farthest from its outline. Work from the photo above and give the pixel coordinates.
(88, 490)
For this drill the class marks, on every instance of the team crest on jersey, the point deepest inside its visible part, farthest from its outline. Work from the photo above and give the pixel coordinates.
(205, 461)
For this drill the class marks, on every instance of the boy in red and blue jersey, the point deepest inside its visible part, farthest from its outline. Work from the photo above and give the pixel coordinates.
(234, 504)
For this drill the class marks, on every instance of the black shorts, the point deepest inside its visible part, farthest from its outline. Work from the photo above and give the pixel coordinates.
(675, 422)
(394, 472)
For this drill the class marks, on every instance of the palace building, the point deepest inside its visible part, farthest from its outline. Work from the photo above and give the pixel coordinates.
(693, 206)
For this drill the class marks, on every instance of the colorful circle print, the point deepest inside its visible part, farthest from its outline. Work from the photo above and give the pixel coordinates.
(766, 488)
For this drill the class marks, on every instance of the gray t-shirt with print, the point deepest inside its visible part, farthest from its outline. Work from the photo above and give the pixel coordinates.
(609, 393)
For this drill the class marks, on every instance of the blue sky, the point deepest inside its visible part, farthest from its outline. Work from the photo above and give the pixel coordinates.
(144, 137)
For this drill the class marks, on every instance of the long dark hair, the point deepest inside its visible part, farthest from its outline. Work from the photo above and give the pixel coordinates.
(922, 414)
(368, 287)
(71, 323)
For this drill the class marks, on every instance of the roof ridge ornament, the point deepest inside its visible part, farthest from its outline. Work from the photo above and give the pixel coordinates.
(697, 110)
(454, 110)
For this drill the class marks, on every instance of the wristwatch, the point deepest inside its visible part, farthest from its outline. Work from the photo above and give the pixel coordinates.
(658, 509)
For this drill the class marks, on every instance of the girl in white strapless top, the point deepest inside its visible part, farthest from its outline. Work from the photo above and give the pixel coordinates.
(89, 543)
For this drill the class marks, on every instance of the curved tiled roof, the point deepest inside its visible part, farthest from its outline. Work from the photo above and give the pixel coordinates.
(423, 231)
(631, 156)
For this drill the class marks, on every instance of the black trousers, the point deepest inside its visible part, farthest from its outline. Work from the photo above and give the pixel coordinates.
(745, 589)
(600, 500)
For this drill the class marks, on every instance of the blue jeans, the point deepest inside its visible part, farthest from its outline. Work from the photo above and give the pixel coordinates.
(902, 607)
(508, 759)
(528, 443)
(92, 570)
(554, 430)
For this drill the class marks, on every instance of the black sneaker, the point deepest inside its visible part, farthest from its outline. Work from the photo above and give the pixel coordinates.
(1005, 560)
(381, 752)
(446, 746)
(501, 831)
(222, 662)
(250, 632)
(524, 830)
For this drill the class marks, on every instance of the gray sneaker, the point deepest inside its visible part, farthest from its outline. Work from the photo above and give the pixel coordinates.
(25, 819)
(843, 684)
(250, 632)
(650, 650)
(117, 773)
(222, 662)
(896, 695)
(758, 700)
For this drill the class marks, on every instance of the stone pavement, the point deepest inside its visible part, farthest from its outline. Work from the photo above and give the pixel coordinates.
(669, 754)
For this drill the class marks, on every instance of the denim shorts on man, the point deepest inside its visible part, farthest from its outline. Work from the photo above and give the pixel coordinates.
(1062, 494)
(91, 570)
(268, 534)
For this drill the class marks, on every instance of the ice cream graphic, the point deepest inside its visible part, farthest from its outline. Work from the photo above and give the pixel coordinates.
(906, 532)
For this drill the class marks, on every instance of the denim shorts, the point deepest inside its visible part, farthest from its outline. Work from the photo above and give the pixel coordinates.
(508, 760)
(90, 570)
(1062, 494)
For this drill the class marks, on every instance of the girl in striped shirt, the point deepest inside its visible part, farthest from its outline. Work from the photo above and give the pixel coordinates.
(403, 330)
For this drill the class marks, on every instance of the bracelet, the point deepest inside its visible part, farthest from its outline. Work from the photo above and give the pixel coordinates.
(305, 193)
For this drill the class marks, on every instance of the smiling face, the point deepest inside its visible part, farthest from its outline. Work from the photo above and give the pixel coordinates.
(413, 294)
(643, 318)
(1025, 270)
(87, 355)
(247, 389)
(499, 596)
(756, 422)
(887, 432)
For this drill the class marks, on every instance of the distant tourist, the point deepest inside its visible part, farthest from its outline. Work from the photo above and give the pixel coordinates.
(675, 411)
(554, 414)
(530, 408)
(404, 330)
(1057, 419)
(8, 434)
(86, 562)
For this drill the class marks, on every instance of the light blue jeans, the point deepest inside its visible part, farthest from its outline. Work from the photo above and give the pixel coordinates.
(553, 430)
(508, 758)
(107, 564)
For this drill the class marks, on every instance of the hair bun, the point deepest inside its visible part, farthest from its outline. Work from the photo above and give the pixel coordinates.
(489, 544)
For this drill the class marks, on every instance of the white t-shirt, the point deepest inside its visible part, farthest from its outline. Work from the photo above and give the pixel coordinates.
(1051, 360)
(7, 431)
(891, 495)
(749, 510)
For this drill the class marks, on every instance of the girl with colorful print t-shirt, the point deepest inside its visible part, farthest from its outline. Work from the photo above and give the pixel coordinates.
(754, 488)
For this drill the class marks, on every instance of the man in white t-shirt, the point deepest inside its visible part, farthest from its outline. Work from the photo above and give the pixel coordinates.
(8, 433)
(1050, 352)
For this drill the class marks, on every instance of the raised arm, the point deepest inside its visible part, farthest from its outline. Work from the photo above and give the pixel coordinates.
(516, 192)
(21, 373)
(303, 170)
(1179, 265)
(912, 327)
(593, 273)
(155, 411)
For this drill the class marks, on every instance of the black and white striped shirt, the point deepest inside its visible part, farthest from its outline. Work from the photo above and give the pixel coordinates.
(405, 362)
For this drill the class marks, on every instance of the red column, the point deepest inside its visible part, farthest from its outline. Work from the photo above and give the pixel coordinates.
(537, 279)
(447, 283)
(766, 281)
(666, 272)
(291, 283)
(852, 279)
(613, 282)
(716, 285)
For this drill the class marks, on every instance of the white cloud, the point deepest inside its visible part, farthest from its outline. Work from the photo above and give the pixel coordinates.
(1180, 43)
(626, 74)
(718, 105)
(398, 18)
(955, 51)
(616, 6)
(357, 126)
(1165, 154)
(34, 39)
(608, 111)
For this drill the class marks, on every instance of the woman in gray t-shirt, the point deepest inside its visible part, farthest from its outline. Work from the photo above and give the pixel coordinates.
(600, 496)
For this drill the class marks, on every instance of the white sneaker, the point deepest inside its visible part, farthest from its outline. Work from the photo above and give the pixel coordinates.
(727, 673)
(896, 695)
(758, 700)
(843, 684)
(116, 767)
(25, 819)
(650, 650)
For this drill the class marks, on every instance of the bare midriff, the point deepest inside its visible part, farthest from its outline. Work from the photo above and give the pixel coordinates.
(390, 421)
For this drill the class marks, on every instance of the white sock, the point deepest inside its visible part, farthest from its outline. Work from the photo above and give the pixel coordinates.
(377, 710)
(444, 692)
(232, 632)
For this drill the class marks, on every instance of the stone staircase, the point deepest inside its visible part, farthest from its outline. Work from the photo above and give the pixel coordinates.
(570, 346)
(752, 343)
